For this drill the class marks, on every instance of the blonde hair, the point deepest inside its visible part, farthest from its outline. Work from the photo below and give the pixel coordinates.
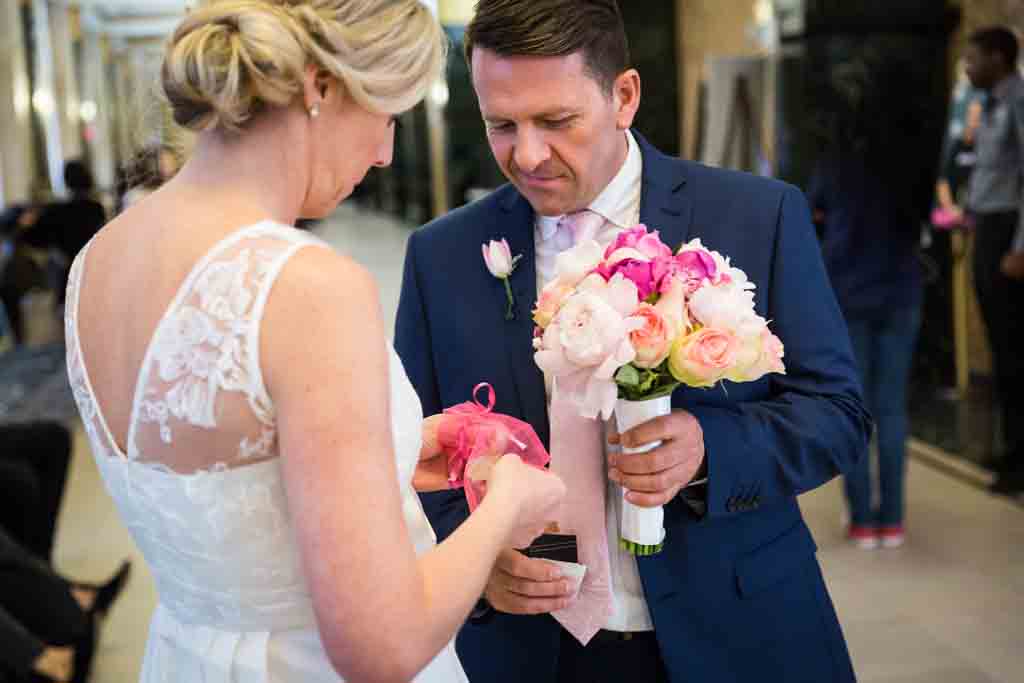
(232, 59)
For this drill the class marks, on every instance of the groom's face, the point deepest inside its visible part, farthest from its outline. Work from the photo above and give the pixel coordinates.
(556, 133)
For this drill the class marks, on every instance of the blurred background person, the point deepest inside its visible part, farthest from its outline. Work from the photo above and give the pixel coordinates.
(64, 227)
(48, 624)
(870, 243)
(22, 268)
(34, 460)
(869, 200)
(995, 200)
(957, 166)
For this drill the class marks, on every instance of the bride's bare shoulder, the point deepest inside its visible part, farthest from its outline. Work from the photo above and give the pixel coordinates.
(323, 274)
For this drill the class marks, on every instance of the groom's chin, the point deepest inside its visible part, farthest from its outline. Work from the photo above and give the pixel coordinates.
(543, 203)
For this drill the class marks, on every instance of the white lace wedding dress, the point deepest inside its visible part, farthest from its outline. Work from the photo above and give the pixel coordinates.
(233, 603)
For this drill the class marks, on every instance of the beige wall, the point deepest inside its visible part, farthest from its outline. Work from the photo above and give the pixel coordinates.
(456, 12)
(17, 165)
(708, 27)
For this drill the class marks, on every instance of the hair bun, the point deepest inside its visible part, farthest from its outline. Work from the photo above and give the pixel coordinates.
(231, 59)
(228, 61)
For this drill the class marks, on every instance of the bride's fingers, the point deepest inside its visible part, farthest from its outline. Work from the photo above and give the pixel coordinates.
(431, 447)
(431, 475)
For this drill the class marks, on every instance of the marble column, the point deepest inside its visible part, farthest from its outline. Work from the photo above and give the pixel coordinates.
(97, 106)
(123, 103)
(44, 95)
(17, 164)
(63, 30)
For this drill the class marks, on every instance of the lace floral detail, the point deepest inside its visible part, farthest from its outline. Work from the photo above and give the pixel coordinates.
(262, 447)
(202, 349)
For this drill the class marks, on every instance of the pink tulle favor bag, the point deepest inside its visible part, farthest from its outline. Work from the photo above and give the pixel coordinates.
(473, 437)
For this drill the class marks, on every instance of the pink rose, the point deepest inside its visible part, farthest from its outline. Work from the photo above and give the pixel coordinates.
(647, 243)
(653, 341)
(772, 353)
(704, 357)
(759, 355)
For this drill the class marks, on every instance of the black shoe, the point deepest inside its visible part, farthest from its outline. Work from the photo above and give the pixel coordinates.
(107, 592)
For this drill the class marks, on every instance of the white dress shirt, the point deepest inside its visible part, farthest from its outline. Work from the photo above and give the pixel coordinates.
(619, 204)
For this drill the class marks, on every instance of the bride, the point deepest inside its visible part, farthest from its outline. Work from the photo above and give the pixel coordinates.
(258, 434)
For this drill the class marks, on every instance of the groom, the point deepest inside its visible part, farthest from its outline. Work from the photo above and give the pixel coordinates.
(737, 593)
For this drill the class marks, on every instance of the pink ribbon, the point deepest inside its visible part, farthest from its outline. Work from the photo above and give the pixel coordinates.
(472, 430)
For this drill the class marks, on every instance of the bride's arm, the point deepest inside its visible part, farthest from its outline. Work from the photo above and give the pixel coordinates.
(383, 614)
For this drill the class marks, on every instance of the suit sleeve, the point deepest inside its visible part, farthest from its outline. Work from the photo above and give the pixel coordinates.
(814, 425)
(414, 344)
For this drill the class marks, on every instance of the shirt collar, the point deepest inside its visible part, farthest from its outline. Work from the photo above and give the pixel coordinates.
(617, 201)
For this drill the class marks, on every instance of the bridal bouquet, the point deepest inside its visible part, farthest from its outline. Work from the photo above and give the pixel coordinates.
(621, 328)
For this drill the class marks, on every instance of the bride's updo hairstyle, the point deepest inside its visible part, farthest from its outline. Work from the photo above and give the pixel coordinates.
(229, 60)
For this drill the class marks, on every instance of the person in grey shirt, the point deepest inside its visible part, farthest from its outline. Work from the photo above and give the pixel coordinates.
(995, 199)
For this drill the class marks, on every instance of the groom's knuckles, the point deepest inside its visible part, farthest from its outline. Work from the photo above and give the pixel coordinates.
(650, 483)
(520, 566)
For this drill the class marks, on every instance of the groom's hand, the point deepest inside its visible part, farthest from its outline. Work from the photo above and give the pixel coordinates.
(525, 585)
(656, 477)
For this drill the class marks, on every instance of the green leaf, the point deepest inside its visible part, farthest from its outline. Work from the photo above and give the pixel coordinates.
(627, 376)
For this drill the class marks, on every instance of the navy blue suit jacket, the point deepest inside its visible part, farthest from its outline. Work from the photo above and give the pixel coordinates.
(737, 592)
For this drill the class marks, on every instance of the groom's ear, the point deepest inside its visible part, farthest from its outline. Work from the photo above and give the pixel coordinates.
(626, 96)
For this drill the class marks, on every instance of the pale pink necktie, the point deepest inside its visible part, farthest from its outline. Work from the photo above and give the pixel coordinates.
(577, 227)
(577, 456)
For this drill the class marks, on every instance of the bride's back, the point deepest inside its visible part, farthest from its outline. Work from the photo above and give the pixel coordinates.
(167, 317)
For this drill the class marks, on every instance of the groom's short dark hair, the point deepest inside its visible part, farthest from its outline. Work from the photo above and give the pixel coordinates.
(553, 28)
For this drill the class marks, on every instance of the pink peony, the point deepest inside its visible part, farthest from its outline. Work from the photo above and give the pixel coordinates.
(703, 358)
(551, 299)
(588, 341)
(653, 341)
(647, 243)
(696, 267)
(574, 264)
(640, 273)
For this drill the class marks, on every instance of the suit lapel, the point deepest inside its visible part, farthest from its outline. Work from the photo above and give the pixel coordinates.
(665, 205)
(517, 222)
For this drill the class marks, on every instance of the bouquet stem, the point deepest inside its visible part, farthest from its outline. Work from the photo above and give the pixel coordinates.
(642, 532)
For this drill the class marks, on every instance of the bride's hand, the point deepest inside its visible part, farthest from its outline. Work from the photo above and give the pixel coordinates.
(432, 470)
(537, 493)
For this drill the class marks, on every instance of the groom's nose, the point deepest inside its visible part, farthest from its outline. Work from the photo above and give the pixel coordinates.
(531, 150)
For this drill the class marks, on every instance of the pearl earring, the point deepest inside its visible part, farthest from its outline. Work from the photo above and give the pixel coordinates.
(314, 111)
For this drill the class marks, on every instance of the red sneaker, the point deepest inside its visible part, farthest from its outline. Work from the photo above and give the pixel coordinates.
(892, 536)
(864, 537)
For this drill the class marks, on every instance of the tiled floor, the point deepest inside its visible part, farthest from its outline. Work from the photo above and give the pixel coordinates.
(945, 608)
